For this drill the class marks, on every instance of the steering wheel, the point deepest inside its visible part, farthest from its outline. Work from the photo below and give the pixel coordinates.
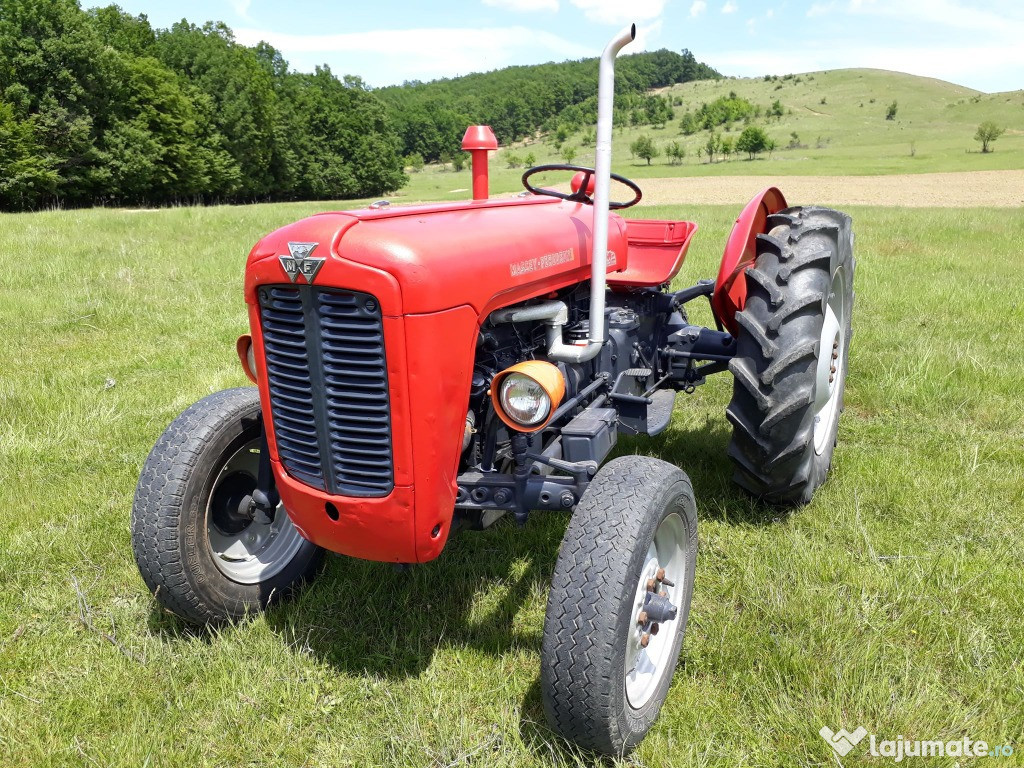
(580, 193)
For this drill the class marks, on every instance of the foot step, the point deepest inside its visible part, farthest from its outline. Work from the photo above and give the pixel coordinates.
(659, 412)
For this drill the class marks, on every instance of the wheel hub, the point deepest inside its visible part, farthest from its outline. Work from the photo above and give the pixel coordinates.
(656, 609)
(247, 546)
(831, 354)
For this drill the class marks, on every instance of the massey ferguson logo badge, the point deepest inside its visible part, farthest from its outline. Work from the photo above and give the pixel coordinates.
(299, 262)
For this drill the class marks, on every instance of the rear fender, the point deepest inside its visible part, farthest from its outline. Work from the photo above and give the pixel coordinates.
(730, 291)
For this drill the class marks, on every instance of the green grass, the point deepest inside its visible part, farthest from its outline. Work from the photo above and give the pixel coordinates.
(939, 118)
(893, 601)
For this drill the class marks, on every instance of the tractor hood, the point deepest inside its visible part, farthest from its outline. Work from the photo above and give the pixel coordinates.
(484, 254)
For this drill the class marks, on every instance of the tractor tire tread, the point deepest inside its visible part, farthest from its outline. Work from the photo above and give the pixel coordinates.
(580, 627)
(772, 407)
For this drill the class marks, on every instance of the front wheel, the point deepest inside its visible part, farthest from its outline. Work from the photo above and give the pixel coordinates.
(619, 601)
(201, 552)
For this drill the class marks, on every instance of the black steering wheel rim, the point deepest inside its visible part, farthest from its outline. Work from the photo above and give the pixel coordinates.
(580, 196)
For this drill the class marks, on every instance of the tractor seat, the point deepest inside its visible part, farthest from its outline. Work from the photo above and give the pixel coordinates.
(656, 252)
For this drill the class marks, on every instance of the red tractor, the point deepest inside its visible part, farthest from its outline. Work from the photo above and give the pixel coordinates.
(427, 368)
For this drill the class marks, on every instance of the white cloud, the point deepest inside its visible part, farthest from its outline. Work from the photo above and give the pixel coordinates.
(698, 7)
(428, 53)
(241, 7)
(618, 12)
(990, 67)
(646, 37)
(524, 6)
(730, 7)
(1008, 22)
(820, 9)
(751, 24)
(769, 13)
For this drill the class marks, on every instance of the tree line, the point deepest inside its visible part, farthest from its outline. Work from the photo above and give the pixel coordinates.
(98, 107)
(521, 101)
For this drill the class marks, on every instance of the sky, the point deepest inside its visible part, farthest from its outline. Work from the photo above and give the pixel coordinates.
(977, 44)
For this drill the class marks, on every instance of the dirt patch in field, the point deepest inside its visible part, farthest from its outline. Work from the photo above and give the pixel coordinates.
(989, 189)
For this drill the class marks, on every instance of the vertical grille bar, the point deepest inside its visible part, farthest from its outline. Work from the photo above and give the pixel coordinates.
(327, 376)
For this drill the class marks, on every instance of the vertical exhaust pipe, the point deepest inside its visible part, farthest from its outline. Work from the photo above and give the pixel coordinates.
(602, 180)
(555, 313)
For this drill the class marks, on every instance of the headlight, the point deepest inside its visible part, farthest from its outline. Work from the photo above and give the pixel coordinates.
(524, 400)
(526, 395)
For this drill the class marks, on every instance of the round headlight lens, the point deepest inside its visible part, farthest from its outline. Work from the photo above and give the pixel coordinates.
(524, 400)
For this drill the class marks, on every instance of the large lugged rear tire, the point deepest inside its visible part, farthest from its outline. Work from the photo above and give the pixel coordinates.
(200, 556)
(792, 353)
(604, 676)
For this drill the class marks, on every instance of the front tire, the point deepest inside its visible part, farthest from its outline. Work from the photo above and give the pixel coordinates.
(792, 354)
(604, 676)
(201, 557)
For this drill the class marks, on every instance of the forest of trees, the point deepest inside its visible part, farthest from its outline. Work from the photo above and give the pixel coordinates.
(519, 101)
(97, 107)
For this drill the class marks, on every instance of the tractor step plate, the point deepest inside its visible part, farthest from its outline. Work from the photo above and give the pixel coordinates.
(659, 412)
(638, 373)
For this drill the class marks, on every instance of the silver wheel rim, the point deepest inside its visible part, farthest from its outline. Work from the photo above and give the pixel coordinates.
(647, 667)
(831, 359)
(263, 548)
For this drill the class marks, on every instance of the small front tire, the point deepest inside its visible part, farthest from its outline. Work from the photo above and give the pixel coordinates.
(200, 554)
(604, 674)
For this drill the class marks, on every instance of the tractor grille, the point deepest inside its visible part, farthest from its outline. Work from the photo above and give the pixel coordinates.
(328, 388)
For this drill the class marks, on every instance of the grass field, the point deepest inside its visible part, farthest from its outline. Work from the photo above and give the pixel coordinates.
(937, 117)
(892, 602)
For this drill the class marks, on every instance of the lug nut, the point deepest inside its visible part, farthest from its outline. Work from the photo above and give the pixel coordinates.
(654, 628)
(660, 575)
(641, 618)
(645, 639)
(652, 585)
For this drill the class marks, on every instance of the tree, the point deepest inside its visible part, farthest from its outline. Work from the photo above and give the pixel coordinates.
(675, 152)
(752, 141)
(568, 154)
(530, 160)
(987, 133)
(711, 146)
(890, 111)
(644, 148)
(727, 147)
(414, 161)
(688, 124)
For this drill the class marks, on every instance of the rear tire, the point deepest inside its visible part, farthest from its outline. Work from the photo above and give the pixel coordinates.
(600, 687)
(792, 354)
(198, 555)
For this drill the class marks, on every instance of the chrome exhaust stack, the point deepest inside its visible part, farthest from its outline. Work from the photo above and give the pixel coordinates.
(555, 313)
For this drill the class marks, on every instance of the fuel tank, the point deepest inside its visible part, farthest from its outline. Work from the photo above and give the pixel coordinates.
(364, 326)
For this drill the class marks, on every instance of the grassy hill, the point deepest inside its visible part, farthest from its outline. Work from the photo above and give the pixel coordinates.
(847, 134)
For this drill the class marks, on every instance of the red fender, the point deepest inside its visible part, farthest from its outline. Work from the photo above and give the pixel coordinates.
(730, 292)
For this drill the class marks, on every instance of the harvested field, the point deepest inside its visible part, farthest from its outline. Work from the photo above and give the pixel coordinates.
(975, 189)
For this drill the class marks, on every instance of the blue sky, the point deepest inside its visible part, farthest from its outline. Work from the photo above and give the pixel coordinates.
(977, 44)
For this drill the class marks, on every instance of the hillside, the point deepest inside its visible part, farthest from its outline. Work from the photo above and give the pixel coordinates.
(847, 135)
